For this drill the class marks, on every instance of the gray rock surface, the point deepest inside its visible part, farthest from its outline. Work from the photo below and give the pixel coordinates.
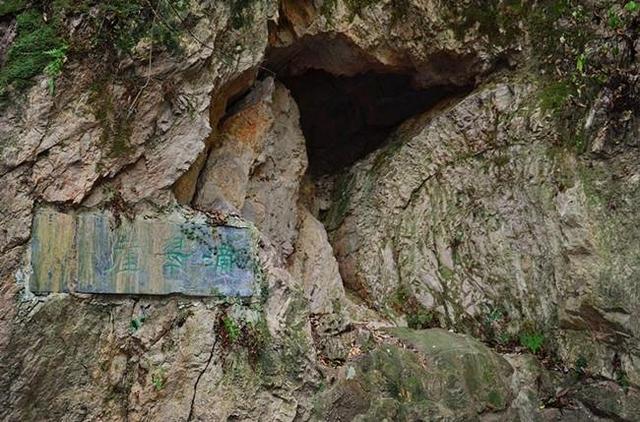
(477, 213)
(257, 166)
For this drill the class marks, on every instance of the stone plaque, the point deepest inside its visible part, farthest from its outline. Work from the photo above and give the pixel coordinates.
(88, 252)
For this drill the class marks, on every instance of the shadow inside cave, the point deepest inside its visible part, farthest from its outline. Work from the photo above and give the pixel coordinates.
(344, 118)
(349, 102)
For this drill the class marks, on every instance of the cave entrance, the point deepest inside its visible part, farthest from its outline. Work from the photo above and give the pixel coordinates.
(350, 103)
(344, 118)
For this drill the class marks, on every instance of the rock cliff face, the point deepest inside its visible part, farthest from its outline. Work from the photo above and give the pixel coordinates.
(319, 210)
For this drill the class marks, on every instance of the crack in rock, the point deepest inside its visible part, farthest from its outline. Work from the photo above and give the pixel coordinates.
(195, 386)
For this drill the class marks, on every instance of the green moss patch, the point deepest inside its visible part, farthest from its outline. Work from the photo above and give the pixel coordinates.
(108, 29)
(497, 20)
(555, 95)
(119, 25)
(8, 7)
(116, 125)
(31, 51)
(434, 374)
(418, 316)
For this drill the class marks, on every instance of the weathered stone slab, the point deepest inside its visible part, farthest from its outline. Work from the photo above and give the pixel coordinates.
(88, 252)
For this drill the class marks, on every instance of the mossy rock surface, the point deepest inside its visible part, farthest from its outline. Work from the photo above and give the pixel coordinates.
(437, 374)
(610, 399)
(466, 372)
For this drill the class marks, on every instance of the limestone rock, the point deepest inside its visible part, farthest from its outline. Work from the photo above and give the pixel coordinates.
(258, 164)
(435, 374)
(474, 212)
(272, 192)
(223, 183)
(610, 400)
(408, 204)
(386, 36)
(139, 143)
(315, 265)
(509, 206)
(148, 358)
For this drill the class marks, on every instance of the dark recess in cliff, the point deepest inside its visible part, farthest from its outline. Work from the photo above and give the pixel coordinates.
(350, 103)
(345, 118)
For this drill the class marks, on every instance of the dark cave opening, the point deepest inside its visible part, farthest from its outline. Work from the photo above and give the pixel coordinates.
(350, 100)
(344, 118)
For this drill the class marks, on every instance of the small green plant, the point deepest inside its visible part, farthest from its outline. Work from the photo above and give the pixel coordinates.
(495, 314)
(532, 341)
(495, 399)
(417, 315)
(504, 338)
(622, 379)
(401, 295)
(158, 379)
(581, 365)
(231, 328)
(619, 20)
(632, 6)
(614, 20)
(554, 96)
(581, 64)
(135, 324)
(54, 68)
(419, 320)
(579, 369)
